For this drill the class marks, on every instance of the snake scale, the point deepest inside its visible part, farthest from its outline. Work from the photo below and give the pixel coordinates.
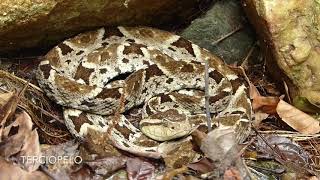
(95, 72)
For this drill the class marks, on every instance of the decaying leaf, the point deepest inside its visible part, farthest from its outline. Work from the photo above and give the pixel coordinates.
(221, 147)
(121, 174)
(69, 150)
(9, 170)
(8, 104)
(297, 119)
(84, 173)
(21, 141)
(4, 97)
(258, 118)
(202, 166)
(31, 148)
(282, 149)
(313, 178)
(170, 174)
(107, 165)
(198, 137)
(262, 103)
(139, 169)
(219, 143)
(232, 174)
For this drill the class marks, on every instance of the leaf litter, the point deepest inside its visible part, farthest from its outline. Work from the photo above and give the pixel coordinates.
(205, 155)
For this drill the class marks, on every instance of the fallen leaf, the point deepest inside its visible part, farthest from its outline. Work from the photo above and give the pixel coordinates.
(138, 169)
(20, 141)
(170, 174)
(198, 137)
(30, 148)
(4, 97)
(282, 149)
(262, 103)
(84, 173)
(11, 171)
(258, 118)
(232, 174)
(222, 147)
(69, 152)
(219, 143)
(202, 166)
(8, 105)
(108, 165)
(297, 119)
(119, 175)
(313, 178)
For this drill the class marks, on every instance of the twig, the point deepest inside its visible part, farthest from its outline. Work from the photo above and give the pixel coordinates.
(45, 112)
(206, 87)
(275, 149)
(286, 88)
(226, 35)
(245, 61)
(21, 80)
(295, 136)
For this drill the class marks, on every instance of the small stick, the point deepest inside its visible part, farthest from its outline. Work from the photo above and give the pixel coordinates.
(226, 35)
(245, 61)
(206, 87)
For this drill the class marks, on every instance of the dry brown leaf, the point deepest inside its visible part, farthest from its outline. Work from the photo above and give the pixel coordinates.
(139, 169)
(10, 171)
(222, 147)
(281, 149)
(13, 135)
(8, 106)
(107, 165)
(258, 118)
(4, 97)
(21, 141)
(31, 148)
(313, 178)
(297, 119)
(198, 137)
(262, 103)
(169, 175)
(203, 166)
(219, 143)
(232, 174)
(68, 149)
(84, 173)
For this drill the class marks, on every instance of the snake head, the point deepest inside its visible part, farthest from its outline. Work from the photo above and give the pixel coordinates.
(165, 126)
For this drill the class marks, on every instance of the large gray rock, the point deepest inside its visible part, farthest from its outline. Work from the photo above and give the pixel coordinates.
(42, 23)
(223, 18)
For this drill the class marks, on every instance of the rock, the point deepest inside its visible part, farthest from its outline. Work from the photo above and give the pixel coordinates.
(289, 33)
(223, 18)
(43, 23)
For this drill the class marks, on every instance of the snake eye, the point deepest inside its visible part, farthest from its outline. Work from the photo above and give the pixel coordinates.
(172, 127)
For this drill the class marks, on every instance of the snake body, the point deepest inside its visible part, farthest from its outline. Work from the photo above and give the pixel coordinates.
(100, 73)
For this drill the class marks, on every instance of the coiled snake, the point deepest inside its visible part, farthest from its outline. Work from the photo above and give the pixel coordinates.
(92, 74)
